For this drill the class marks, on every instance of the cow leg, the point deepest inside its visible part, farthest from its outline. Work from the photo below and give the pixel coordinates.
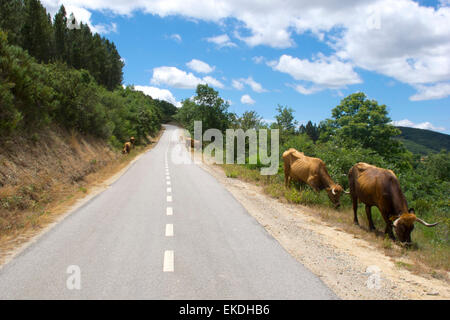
(287, 180)
(313, 183)
(388, 229)
(355, 210)
(369, 218)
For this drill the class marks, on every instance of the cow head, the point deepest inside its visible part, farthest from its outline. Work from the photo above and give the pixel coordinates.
(404, 225)
(334, 193)
(132, 140)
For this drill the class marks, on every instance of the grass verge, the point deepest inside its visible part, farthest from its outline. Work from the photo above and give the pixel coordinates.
(426, 254)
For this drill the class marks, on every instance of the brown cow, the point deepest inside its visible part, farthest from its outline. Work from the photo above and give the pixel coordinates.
(126, 148)
(192, 143)
(132, 140)
(379, 187)
(311, 171)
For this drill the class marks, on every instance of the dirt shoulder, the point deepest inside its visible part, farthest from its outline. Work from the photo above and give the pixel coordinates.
(347, 264)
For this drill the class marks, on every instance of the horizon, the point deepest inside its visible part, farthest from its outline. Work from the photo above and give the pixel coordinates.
(260, 55)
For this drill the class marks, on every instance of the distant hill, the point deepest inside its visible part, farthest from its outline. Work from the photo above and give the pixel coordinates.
(424, 141)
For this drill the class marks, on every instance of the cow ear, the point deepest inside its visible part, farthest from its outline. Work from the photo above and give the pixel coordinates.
(411, 210)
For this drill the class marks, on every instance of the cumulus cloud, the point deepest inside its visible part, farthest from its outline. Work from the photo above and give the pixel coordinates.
(239, 84)
(160, 94)
(246, 99)
(436, 91)
(221, 41)
(200, 66)
(326, 72)
(174, 77)
(213, 82)
(401, 39)
(423, 125)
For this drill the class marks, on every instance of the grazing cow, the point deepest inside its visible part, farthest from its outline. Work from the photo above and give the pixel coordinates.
(132, 140)
(126, 148)
(192, 143)
(311, 171)
(379, 187)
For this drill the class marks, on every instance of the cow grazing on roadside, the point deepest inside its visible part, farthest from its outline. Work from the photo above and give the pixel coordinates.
(380, 187)
(311, 171)
(126, 148)
(132, 140)
(192, 143)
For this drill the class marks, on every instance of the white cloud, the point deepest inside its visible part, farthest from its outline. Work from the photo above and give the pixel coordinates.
(174, 77)
(258, 59)
(176, 37)
(436, 91)
(306, 91)
(221, 41)
(239, 84)
(327, 72)
(246, 99)
(160, 94)
(424, 125)
(213, 82)
(396, 38)
(200, 66)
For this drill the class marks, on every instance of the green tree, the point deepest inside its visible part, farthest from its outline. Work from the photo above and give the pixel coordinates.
(250, 120)
(285, 122)
(207, 106)
(60, 34)
(11, 19)
(37, 31)
(358, 120)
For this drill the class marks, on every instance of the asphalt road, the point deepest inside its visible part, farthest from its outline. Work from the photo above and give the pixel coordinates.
(161, 231)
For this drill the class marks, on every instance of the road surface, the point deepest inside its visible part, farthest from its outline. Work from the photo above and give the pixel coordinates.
(163, 230)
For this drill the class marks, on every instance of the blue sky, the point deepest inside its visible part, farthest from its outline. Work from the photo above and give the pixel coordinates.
(258, 55)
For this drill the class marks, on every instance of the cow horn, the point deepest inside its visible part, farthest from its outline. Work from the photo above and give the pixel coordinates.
(425, 223)
(347, 192)
(396, 222)
(332, 190)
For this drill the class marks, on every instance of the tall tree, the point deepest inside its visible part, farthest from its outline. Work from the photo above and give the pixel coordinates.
(11, 19)
(60, 34)
(37, 33)
(358, 120)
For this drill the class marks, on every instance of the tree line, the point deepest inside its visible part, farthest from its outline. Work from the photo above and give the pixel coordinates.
(35, 95)
(29, 26)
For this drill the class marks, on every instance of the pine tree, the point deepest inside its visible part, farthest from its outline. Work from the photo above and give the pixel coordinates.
(60, 34)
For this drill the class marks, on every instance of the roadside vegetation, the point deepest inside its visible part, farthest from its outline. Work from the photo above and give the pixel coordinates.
(359, 130)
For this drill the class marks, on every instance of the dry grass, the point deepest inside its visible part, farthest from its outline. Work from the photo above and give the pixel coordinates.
(35, 198)
(422, 256)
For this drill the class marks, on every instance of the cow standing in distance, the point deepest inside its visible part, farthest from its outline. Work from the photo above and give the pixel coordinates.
(192, 143)
(127, 146)
(311, 171)
(380, 187)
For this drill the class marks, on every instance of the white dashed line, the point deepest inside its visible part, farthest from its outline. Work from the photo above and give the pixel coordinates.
(169, 211)
(169, 190)
(169, 198)
(168, 261)
(167, 178)
(169, 230)
(168, 183)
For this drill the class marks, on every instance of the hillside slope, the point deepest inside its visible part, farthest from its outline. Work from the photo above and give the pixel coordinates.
(51, 165)
(424, 141)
